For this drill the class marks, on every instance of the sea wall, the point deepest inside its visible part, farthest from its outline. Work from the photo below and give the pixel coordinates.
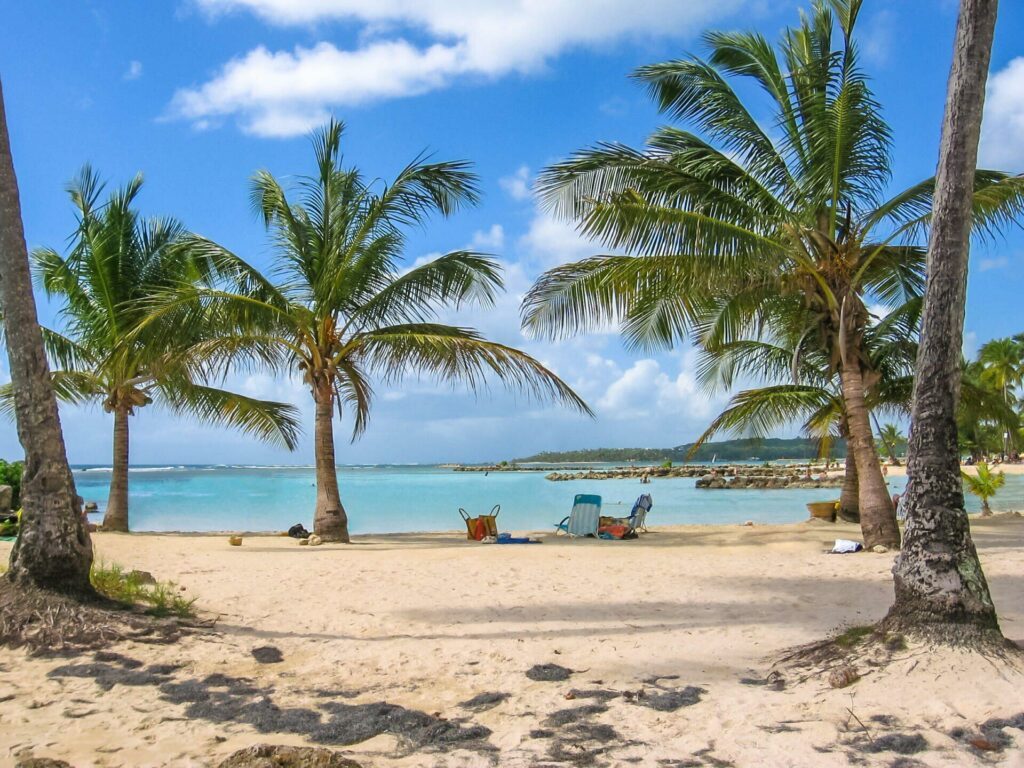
(721, 477)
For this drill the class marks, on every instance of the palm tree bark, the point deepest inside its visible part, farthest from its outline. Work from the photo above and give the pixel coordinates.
(329, 520)
(53, 549)
(116, 516)
(877, 516)
(941, 591)
(849, 497)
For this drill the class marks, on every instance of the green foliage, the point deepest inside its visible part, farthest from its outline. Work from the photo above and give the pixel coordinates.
(666, 465)
(10, 474)
(115, 349)
(984, 484)
(853, 636)
(163, 598)
(768, 245)
(725, 450)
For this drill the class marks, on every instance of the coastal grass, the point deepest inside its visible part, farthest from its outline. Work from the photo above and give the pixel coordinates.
(161, 598)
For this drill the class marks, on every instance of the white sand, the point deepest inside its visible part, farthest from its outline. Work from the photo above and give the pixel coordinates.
(428, 621)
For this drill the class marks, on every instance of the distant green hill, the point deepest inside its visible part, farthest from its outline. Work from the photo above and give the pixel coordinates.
(766, 449)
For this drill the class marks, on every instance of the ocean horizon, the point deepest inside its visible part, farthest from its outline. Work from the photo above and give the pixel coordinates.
(405, 498)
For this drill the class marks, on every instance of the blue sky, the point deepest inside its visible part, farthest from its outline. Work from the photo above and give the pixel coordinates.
(199, 94)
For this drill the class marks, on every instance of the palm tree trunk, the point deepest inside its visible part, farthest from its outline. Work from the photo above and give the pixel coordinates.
(986, 510)
(116, 516)
(53, 549)
(877, 516)
(329, 521)
(849, 505)
(941, 591)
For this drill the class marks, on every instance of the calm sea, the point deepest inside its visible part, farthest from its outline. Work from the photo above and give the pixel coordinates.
(389, 499)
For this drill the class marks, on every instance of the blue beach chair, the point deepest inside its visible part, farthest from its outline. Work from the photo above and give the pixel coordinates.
(584, 518)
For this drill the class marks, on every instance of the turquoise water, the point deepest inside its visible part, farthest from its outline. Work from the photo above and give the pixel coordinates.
(390, 499)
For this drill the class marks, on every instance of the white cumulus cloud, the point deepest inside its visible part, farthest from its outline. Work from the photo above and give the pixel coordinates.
(1002, 132)
(286, 92)
(517, 186)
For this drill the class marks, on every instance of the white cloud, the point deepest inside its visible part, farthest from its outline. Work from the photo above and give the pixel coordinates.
(1002, 132)
(996, 262)
(134, 71)
(646, 390)
(284, 93)
(518, 184)
(491, 238)
(549, 242)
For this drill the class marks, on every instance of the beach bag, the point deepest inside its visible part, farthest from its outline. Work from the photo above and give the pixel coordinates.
(615, 531)
(482, 527)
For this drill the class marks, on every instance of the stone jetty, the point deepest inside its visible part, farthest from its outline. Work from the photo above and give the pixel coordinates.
(721, 477)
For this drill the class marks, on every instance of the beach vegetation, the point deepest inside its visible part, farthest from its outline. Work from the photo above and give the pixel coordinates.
(10, 474)
(348, 308)
(159, 598)
(727, 225)
(111, 353)
(984, 484)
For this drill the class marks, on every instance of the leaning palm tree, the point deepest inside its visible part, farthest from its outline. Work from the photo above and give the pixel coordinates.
(111, 354)
(734, 211)
(53, 549)
(345, 309)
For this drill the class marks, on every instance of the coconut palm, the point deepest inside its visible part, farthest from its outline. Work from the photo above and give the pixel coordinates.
(734, 211)
(891, 439)
(345, 309)
(984, 485)
(111, 354)
(796, 388)
(53, 549)
(1002, 366)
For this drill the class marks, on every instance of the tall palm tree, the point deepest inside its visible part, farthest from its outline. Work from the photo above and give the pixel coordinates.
(118, 263)
(1002, 366)
(734, 212)
(940, 587)
(345, 308)
(53, 549)
(983, 414)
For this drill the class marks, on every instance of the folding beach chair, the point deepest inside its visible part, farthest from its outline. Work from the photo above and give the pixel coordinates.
(637, 520)
(585, 517)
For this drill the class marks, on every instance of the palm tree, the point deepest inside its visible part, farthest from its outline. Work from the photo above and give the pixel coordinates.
(795, 387)
(346, 310)
(117, 265)
(983, 415)
(733, 212)
(892, 439)
(1002, 366)
(53, 549)
(940, 587)
(984, 485)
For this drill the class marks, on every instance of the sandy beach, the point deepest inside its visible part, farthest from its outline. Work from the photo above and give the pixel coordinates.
(428, 622)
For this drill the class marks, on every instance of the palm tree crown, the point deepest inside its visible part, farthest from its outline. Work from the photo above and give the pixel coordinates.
(732, 223)
(114, 352)
(344, 309)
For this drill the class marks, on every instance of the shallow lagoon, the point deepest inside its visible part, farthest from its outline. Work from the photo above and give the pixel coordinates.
(390, 499)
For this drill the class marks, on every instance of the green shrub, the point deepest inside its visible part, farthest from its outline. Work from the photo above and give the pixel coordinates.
(163, 598)
(10, 474)
(667, 465)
